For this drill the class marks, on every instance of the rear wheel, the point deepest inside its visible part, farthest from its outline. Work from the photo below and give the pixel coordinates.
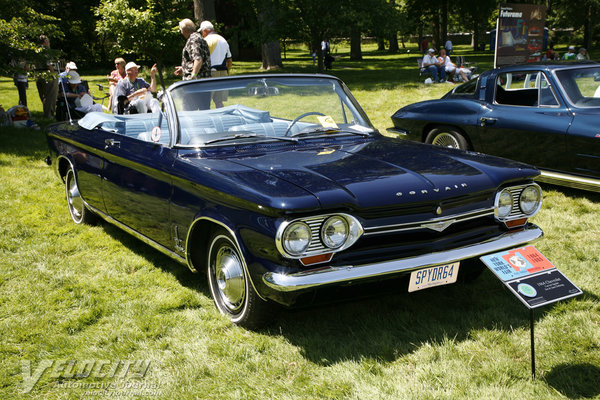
(447, 136)
(230, 285)
(77, 208)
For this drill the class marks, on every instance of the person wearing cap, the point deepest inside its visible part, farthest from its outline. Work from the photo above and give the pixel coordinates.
(75, 92)
(132, 92)
(195, 63)
(220, 57)
(63, 76)
(432, 64)
(583, 54)
(570, 55)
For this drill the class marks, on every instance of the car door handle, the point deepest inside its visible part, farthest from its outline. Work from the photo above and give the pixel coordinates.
(111, 143)
(488, 121)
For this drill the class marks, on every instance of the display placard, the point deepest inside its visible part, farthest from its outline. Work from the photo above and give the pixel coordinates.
(530, 276)
(519, 34)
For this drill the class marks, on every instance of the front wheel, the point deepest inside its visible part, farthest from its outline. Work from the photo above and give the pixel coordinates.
(230, 285)
(447, 136)
(77, 208)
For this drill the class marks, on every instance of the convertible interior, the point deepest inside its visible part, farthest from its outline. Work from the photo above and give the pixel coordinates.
(196, 127)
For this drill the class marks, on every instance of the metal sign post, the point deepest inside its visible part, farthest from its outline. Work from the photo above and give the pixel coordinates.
(533, 279)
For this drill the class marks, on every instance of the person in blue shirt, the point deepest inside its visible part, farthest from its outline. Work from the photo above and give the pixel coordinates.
(133, 93)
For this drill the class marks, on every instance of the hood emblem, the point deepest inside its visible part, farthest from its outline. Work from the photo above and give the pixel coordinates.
(439, 226)
(436, 190)
(438, 210)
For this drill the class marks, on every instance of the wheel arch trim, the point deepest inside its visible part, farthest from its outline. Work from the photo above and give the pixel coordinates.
(234, 237)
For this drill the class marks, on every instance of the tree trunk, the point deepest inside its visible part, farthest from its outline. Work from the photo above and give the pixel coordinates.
(436, 30)
(204, 10)
(475, 39)
(380, 44)
(444, 23)
(355, 49)
(394, 43)
(588, 29)
(271, 55)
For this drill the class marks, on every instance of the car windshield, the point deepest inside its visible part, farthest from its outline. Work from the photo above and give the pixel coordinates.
(213, 112)
(581, 85)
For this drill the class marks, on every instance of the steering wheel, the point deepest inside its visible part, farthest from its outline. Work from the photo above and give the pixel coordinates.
(298, 118)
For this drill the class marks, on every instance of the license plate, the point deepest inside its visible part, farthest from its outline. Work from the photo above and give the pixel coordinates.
(433, 276)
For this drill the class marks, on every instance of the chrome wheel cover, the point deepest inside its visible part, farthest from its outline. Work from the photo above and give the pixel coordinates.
(74, 199)
(445, 140)
(229, 278)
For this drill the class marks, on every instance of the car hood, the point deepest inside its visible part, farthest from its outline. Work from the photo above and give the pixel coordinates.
(386, 172)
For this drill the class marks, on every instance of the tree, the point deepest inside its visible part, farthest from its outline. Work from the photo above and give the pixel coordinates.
(149, 31)
(475, 15)
(20, 29)
(583, 18)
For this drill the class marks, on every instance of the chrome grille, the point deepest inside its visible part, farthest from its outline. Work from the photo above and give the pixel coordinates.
(515, 192)
(452, 219)
(315, 240)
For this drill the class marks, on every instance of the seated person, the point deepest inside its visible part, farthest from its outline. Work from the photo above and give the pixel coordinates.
(433, 65)
(114, 77)
(570, 55)
(132, 92)
(451, 68)
(63, 76)
(77, 96)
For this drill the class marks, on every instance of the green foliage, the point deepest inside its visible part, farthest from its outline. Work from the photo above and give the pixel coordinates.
(19, 34)
(149, 31)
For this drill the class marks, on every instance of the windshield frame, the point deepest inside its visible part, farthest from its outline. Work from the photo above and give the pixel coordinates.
(349, 105)
(564, 92)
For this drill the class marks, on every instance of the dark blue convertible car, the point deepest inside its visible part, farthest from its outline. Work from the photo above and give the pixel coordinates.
(547, 115)
(288, 190)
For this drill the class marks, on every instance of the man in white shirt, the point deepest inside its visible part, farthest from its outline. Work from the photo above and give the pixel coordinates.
(434, 66)
(220, 57)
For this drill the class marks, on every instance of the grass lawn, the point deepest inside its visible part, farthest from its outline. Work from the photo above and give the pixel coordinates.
(91, 312)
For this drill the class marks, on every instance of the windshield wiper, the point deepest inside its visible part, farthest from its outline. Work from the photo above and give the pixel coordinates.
(246, 135)
(327, 131)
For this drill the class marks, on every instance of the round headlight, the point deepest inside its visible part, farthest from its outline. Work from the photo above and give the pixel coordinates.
(334, 232)
(505, 203)
(530, 200)
(296, 238)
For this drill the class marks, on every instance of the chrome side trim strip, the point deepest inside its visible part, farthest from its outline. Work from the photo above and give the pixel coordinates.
(335, 275)
(572, 181)
(138, 235)
(452, 219)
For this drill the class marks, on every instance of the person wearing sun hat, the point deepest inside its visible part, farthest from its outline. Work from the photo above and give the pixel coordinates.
(132, 93)
(77, 94)
(63, 76)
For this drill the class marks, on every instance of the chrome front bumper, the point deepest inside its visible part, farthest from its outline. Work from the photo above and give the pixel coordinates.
(335, 275)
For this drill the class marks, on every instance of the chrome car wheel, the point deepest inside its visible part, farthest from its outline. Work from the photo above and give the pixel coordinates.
(446, 136)
(446, 140)
(229, 277)
(77, 209)
(230, 285)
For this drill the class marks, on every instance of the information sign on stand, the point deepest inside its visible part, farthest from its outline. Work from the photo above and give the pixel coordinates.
(532, 279)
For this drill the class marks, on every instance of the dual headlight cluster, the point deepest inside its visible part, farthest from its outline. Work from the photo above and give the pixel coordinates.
(518, 202)
(317, 235)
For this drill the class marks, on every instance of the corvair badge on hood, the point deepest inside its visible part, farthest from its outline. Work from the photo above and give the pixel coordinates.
(436, 190)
